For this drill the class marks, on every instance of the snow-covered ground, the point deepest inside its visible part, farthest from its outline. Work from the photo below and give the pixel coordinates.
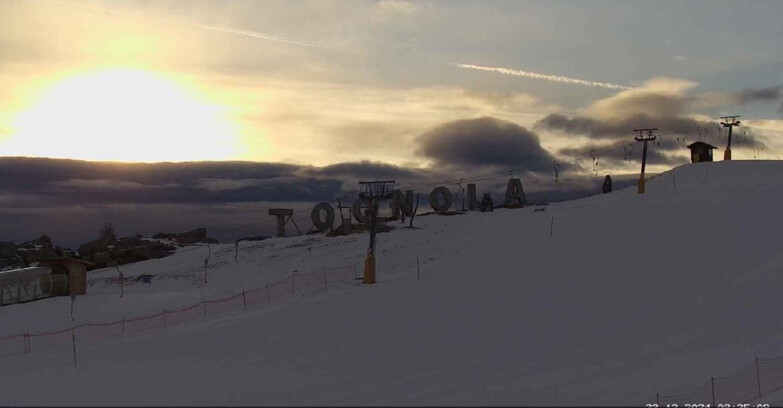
(632, 295)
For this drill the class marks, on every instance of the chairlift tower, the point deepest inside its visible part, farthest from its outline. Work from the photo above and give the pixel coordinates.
(729, 122)
(642, 138)
(373, 192)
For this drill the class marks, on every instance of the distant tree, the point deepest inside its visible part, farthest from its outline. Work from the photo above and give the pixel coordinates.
(107, 232)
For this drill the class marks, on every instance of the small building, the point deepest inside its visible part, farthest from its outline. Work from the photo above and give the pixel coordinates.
(52, 277)
(25, 284)
(72, 273)
(701, 152)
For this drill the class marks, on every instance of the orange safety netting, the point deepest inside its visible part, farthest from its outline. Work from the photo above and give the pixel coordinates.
(247, 299)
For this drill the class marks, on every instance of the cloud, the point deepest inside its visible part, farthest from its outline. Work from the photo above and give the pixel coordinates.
(761, 95)
(404, 7)
(739, 98)
(614, 129)
(662, 103)
(336, 122)
(484, 141)
(364, 169)
(72, 182)
(658, 98)
(70, 199)
(221, 184)
(101, 184)
(546, 77)
(659, 103)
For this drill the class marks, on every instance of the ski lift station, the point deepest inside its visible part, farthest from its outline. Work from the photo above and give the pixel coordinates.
(701, 152)
(57, 277)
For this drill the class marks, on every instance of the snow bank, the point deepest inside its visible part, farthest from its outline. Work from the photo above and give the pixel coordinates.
(632, 295)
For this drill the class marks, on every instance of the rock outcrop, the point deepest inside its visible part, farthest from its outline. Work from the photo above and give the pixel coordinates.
(103, 252)
(197, 236)
(25, 253)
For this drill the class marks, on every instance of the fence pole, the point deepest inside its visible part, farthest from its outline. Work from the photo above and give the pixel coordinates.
(244, 300)
(712, 382)
(758, 377)
(204, 306)
(123, 325)
(73, 338)
(656, 399)
(26, 337)
(551, 225)
(164, 317)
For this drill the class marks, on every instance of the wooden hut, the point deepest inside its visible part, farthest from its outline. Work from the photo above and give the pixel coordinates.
(701, 152)
(74, 272)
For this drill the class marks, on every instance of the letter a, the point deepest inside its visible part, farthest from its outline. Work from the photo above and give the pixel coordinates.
(514, 192)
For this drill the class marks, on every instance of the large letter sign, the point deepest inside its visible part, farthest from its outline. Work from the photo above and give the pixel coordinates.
(361, 217)
(402, 203)
(315, 216)
(514, 192)
(435, 196)
(322, 215)
(472, 201)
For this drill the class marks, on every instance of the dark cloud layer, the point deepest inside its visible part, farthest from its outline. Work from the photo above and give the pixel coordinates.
(72, 181)
(70, 199)
(598, 129)
(760, 95)
(482, 142)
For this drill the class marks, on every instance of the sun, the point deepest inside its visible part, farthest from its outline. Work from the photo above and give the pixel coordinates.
(123, 115)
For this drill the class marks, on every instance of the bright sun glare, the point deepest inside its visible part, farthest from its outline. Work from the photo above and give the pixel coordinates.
(122, 115)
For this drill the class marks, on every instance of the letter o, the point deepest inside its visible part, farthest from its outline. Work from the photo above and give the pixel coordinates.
(356, 209)
(435, 195)
(315, 216)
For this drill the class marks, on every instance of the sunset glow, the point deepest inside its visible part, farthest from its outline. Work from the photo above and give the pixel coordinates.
(122, 115)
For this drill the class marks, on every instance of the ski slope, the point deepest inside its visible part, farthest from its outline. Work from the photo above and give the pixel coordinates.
(630, 296)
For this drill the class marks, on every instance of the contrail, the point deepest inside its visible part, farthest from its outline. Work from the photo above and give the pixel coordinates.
(534, 75)
(253, 34)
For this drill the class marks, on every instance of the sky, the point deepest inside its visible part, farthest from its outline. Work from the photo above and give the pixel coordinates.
(424, 90)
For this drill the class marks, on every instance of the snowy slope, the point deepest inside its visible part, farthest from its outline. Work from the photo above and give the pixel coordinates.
(631, 296)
